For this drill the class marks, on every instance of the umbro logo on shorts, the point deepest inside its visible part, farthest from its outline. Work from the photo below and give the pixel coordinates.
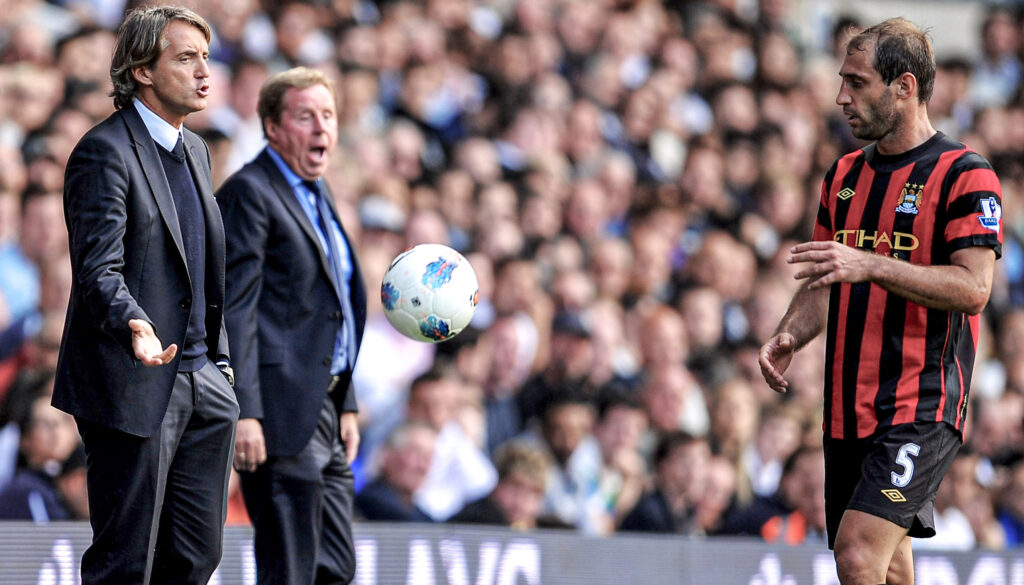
(894, 496)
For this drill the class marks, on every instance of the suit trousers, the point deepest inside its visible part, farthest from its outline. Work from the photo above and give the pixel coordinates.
(301, 510)
(158, 503)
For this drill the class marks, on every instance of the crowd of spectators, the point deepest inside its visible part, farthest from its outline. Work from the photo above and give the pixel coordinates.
(625, 176)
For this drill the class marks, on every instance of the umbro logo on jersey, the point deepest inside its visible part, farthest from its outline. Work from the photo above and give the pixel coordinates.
(894, 496)
(846, 193)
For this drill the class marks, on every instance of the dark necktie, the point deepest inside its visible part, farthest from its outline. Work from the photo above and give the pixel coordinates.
(323, 215)
(179, 149)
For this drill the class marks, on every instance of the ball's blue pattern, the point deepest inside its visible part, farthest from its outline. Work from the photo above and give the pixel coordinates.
(434, 328)
(389, 296)
(438, 273)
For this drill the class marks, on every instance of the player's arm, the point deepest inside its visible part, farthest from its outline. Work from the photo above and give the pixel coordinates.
(962, 286)
(971, 229)
(95, 203)
(803, 321)
(807, 313)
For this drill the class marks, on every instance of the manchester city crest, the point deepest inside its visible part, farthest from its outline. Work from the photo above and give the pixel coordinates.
(910, 199)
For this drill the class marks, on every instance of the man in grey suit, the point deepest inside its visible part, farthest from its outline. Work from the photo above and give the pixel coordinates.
(139, 360)
(295, 312)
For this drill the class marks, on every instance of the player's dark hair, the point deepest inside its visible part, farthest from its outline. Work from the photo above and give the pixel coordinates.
(140, 40)
(900, 47)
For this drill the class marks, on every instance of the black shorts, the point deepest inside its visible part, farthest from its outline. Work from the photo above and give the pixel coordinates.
(893, 474)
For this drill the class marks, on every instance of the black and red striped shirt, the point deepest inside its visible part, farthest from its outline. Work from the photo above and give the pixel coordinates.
(888, 360)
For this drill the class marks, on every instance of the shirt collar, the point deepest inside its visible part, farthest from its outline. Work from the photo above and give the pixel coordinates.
(289, 175)
(162, 132)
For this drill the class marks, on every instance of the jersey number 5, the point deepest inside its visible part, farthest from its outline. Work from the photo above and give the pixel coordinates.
(903, 459)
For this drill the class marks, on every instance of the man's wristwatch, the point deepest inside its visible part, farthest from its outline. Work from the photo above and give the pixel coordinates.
(228, 372)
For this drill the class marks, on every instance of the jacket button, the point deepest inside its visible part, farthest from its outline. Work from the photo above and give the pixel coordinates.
(336, 315)
(327, 361)
(185, 303)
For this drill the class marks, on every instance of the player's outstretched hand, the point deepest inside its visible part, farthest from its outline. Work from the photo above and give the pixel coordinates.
(826, 263)
(147, 346)
(774, 358)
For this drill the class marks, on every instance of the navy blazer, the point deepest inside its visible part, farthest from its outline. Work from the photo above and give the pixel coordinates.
(282, 311)
(128, 263)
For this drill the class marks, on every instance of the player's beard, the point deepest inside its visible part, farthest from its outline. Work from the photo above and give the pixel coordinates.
(878, 119)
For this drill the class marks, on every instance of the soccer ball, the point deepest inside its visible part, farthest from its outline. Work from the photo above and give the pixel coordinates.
(429, 293)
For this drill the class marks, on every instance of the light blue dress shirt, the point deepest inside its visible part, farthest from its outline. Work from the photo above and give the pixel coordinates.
(344, 347)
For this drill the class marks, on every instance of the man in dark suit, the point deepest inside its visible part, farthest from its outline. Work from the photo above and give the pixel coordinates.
(296, 308)
(147, 252)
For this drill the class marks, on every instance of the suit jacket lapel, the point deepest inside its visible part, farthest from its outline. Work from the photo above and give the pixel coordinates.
(286, 193)
(153, 170)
